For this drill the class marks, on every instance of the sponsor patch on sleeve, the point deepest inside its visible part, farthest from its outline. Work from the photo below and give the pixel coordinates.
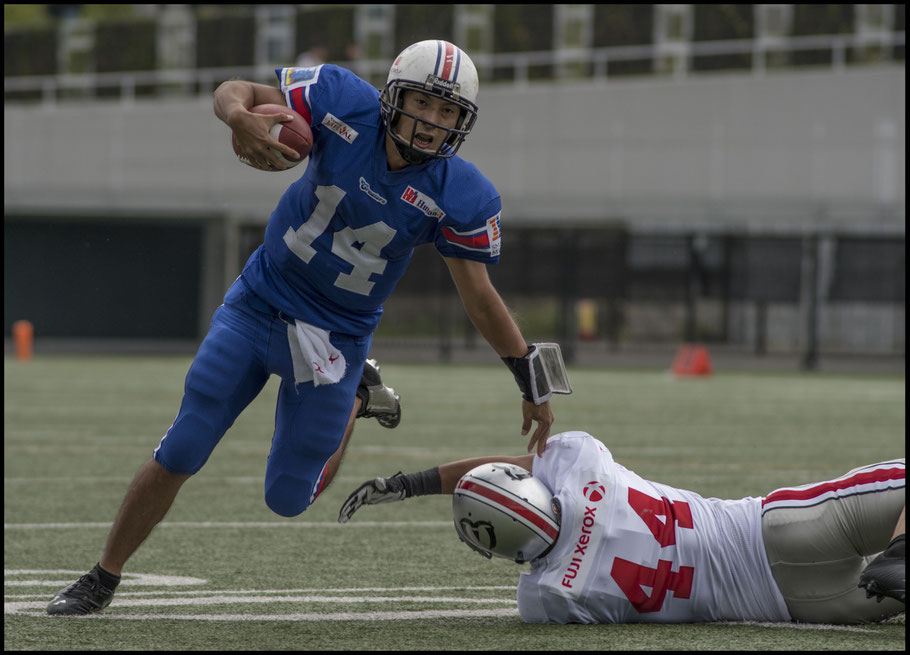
(495, 235)
(486, 239)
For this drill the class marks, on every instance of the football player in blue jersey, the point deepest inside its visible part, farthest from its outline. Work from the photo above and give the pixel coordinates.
(383, 177)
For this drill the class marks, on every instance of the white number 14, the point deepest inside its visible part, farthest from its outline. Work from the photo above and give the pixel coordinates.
(365, 260)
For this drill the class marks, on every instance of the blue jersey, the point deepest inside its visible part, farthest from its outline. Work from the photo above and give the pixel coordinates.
(342, 235)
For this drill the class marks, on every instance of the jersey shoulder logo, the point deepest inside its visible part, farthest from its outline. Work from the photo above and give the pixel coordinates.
(340, 128)
(423, 202)
(306, 76)
(495, 235)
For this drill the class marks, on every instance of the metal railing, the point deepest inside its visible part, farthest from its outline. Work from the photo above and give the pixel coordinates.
(202, 81)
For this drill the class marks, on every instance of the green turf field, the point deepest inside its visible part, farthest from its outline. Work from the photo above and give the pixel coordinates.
(224, 573)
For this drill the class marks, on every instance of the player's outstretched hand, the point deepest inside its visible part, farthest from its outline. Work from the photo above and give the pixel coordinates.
(373, 492)
(543, 415)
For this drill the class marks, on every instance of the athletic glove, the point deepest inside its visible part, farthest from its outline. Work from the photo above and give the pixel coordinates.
(373, 492)
(386, 490)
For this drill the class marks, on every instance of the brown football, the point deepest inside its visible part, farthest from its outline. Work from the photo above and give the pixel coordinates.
(294, 133)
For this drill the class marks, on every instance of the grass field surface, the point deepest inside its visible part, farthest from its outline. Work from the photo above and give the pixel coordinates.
(224, 573)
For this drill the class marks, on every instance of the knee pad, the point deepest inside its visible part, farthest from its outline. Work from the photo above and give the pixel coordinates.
(288, 496)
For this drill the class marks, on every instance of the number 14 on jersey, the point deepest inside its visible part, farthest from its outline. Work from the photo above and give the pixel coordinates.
(365, 259)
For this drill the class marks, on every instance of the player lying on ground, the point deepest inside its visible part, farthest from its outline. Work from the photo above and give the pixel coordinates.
(607, 546)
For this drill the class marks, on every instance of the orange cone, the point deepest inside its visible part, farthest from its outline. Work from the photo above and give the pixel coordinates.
(24, 338)
(692, 360)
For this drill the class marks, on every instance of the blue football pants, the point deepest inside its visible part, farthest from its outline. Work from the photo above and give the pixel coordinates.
(246, 343)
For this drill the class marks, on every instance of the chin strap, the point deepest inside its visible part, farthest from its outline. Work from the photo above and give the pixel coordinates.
(410, 155)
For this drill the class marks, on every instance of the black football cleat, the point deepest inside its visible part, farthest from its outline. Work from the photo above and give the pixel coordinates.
(886, 574)
(379, 401)
(85, 596)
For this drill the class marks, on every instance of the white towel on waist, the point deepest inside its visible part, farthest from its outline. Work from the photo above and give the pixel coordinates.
(317, 359)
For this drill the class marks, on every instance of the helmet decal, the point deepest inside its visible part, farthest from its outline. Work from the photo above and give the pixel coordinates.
(502, 510)
(467, 525)
(518, 508)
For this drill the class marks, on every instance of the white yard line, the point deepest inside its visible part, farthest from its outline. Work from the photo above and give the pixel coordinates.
(421, 615)
(253, 592)
(35, 604)
(22, 609)
(200, 478)
(240, 524)
(19, 578)
(406, 616)
(217, 598)
(800, 626)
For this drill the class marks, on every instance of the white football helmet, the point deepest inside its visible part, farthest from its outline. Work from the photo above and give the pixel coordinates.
(501, 509)
(436, 68)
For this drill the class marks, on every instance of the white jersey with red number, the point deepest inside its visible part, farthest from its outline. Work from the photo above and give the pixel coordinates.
(635, 551)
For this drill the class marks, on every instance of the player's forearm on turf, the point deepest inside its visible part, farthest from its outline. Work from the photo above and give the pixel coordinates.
(452, 472)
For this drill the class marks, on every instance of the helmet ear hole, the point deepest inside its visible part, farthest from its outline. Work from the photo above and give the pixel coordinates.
(501, 510)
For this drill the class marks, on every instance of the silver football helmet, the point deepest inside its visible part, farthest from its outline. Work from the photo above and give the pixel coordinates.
(502, 510)
(436, 68)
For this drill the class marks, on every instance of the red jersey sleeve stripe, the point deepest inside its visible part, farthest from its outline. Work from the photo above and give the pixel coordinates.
(299, 105)
(481, 240)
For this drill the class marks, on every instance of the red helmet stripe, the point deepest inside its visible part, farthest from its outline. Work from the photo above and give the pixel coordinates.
(528, 513)
(448, 61)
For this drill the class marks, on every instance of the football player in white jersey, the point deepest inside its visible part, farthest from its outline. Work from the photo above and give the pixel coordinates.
(607, 546)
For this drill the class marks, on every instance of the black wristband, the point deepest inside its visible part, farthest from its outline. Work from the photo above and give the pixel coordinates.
(422, 483)
(521, 370)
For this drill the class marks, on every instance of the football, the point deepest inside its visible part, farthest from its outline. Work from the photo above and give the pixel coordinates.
(294, 133)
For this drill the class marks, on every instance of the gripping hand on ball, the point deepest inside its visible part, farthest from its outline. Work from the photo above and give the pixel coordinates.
(373, 492)
(255, 143)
